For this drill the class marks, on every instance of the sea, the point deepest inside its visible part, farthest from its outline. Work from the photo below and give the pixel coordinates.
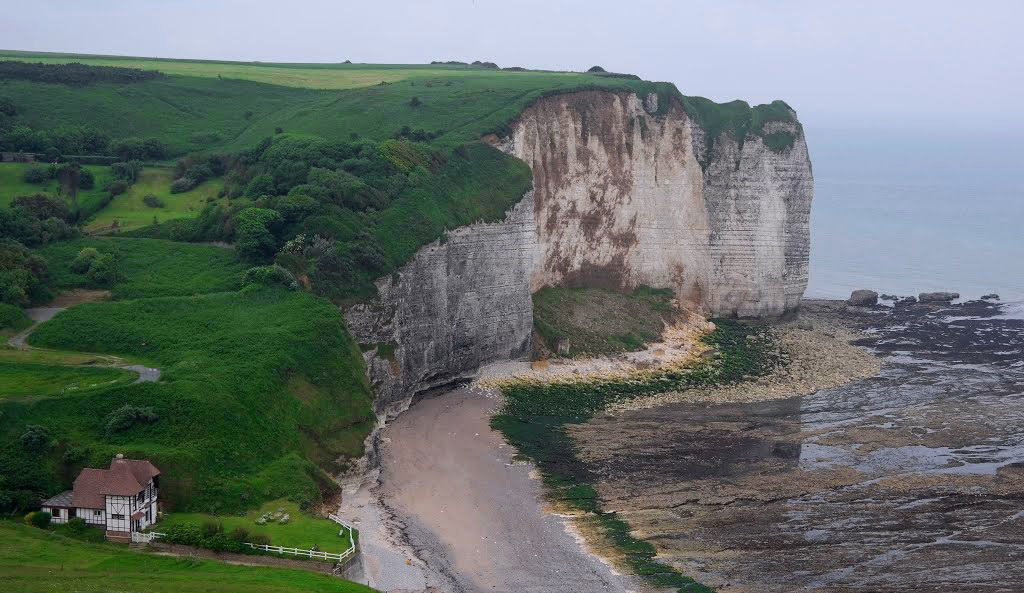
(915, 210)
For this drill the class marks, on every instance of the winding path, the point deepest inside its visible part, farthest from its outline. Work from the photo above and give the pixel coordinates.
(40, 315)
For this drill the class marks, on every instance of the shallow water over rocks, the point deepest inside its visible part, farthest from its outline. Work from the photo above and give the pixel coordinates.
(911, 481)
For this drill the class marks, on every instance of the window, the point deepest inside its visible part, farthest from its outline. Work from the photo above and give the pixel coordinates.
(117, 516)
(55, 512)
(141, 496)
(97, 513)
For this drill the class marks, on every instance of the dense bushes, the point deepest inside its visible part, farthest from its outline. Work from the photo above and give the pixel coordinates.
(127, 416)
(74, 74)
(13, 318)
(102, 269)
(65, 139)
(40, 519)
(269, 276)
(209, 535)
(127, 171)
(153, 201)
(137, 149)
(23, 275)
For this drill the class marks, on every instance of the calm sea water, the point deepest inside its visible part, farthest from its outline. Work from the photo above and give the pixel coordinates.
(910, 211)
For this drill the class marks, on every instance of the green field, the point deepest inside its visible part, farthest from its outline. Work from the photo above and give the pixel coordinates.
(18, 380)
(129, 210)
(36, 561)
(302, 530)
(12, 185)
(152, 267)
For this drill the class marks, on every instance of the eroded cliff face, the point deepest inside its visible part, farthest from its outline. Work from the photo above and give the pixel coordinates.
(459, 304)
(624, 195)
(621, 200)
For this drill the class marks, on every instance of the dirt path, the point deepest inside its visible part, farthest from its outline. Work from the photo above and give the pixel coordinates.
(41, 315)
(474, 519)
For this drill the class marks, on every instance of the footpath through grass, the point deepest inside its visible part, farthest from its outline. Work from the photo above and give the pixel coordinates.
(18, 380)
(37, 561)
(535, 415)
(301, 531)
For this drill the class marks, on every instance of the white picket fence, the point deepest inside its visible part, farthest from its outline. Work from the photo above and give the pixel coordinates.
(145, 538)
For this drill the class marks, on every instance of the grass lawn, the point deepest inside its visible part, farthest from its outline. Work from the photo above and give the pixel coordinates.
(36, 561)
(131, 212)
(40, 380)
(49, 357)
(301, 531)
(12, 185)
(152, 267)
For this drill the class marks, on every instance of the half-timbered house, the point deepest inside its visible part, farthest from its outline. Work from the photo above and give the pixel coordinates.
(120, 499)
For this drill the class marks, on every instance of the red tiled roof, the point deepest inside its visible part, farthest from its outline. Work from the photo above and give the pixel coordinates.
(126, 477)
(88, 488)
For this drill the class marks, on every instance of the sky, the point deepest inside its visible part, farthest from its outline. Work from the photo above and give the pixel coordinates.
(923, 64)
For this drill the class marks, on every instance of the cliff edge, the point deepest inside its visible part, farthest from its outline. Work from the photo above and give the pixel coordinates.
(628, 190)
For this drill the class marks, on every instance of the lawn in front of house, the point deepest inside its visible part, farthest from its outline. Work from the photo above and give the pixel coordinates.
(301, 531)
(37, 561)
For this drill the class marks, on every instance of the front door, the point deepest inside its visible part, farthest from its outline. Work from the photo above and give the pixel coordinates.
(71, 514)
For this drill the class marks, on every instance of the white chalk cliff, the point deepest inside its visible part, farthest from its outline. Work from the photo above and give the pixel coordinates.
(623, 196)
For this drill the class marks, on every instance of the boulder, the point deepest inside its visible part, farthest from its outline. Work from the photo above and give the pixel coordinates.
(937, 297)
(990, 297)
(910, 300)
(863, 298)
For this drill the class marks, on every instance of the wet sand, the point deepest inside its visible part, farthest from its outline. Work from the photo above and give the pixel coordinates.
(470, 518)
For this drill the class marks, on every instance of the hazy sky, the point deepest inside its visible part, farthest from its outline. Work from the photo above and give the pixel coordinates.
(926, 63)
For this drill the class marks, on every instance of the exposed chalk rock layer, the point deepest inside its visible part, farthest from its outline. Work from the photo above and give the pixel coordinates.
(622, 197)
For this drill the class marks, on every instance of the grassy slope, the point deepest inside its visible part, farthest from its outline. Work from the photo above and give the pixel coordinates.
(35, 561)
(254, 384)
(19, 380)
(301, 531)
(596, 321)
(128, 208)
(152, 267)
(131, 212)
(229, 433)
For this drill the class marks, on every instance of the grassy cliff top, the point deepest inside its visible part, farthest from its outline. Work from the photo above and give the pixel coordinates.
(220, 105)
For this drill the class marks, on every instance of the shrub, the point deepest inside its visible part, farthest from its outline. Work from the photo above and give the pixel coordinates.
(278, 130)
(77, 524)
(596, 69)
(74, 456)
(259, 539)
(211, 528)
(239, 534)
(86, 179)
(36, 175)
(152, 201)
(43, 207)
(415, 102)
(23, 275)
(116, 188)
(127, 171)
(84, 260)
(105, 271)
(40, 519)
(35, 439)
(268, 276)
(127, 416)
(7, 107)
(181, 185)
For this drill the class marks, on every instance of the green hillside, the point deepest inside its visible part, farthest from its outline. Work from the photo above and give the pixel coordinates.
(320, 178)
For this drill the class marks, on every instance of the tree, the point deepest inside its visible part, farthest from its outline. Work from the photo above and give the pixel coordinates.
(254, 239)
(415, 102)
(70, 177)
(596, 69)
